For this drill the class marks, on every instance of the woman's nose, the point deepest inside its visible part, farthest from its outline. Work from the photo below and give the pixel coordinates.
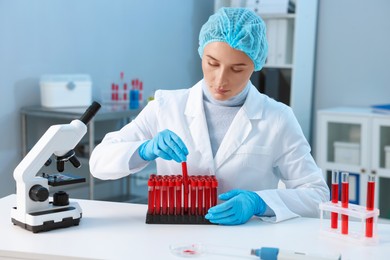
(221, 78)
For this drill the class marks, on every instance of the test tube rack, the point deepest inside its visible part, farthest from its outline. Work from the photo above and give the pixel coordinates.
(368, 215)
(175, 200)
(354, 211)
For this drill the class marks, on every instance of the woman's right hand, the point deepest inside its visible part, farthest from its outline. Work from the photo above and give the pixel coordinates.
(167, 145)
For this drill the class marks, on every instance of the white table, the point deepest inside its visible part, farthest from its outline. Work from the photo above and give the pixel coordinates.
(111, 230)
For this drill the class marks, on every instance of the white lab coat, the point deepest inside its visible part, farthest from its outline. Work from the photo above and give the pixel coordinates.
(263, 145)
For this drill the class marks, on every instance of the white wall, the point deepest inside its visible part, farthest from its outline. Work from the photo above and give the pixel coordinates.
(353, 54)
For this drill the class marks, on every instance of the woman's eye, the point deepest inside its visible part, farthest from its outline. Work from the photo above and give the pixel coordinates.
(213, 64)
(236, 70)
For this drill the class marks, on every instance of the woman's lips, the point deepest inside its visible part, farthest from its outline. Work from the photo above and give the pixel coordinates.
(221, 91)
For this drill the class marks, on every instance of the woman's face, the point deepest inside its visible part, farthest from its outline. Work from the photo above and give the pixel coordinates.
(225, 70)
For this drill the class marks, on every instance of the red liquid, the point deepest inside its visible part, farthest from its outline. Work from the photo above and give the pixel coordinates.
(200, 197)
(207, 195)
(194, 187)
(158, 197)
(151, 197)
(178, 197)
(171, 195)
(186, 184)
(370, 206)
(164, 202)
(344, 204)
(335, 199)
(214, 185)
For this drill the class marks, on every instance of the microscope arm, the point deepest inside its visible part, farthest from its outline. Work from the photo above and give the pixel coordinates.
(58, 139)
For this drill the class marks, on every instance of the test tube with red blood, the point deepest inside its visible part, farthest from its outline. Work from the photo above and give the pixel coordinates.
(185, 186)
(193, 188)
(370, 204)
(171, 195)
(207, 194)
(344, 201)
(214, 185)
(157, 190)
(151, 195)
(112, 92)
(125, 91)
(164, 195)
(178, 189)
(200, 196)
(335, 197)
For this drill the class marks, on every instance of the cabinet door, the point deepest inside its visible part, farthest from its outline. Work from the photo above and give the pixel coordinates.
(381, 163)
(381, 146)
(343, 142)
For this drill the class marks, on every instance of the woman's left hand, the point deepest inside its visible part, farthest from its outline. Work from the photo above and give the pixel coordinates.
(239, 207)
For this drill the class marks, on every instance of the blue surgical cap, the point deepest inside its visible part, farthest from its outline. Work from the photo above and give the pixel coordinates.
(241, 28)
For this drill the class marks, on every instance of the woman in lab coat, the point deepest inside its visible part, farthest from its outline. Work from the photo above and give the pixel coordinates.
(223, 126)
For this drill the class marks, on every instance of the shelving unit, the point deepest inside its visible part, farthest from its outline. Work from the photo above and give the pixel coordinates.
(355, 140)
(288, 73)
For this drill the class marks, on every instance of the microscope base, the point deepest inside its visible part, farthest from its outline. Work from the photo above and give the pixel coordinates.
(50, 219)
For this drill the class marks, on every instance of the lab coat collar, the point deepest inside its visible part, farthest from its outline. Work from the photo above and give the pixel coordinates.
(239, 130)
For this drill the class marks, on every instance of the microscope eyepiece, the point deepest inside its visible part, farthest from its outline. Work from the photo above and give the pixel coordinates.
(90, 112)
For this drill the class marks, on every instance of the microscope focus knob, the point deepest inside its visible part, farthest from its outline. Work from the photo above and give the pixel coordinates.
(60, 198)
(38, 193)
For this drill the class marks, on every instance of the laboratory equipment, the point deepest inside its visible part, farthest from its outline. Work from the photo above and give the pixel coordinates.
(335, 197)
(166, 193)
(65, 90)
(33, 210)
(370, 204)
(271, 253)
(344, 200)
(265, 253)
(365, 233)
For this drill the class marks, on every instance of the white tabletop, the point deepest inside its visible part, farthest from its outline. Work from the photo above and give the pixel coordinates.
(110, 230)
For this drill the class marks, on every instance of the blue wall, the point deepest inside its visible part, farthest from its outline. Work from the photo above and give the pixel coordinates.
(155, 41)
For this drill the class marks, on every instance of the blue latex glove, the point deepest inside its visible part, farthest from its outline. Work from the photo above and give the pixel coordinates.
(240, 206)
(166, 145)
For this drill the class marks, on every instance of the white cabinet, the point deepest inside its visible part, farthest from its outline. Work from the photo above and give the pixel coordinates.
(288, 73)
(355, 140)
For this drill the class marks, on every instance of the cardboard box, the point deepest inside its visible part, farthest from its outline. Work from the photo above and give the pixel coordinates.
(66, 90)
(346, 152)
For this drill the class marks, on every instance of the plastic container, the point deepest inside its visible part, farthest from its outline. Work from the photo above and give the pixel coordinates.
(66, 90)
(387, 157)
(348, 153)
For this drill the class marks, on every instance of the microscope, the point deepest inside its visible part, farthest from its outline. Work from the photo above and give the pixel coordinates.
(33, 210)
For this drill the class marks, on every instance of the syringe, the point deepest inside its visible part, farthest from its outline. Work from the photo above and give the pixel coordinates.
(273, 253)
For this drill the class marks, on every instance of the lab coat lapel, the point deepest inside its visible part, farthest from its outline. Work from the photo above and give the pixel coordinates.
(241, 127)
(197, 124)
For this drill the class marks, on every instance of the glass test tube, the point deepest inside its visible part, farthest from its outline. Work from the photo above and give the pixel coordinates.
(344, 201)
(185, 184)
(158, 197)
(200, 196)
(164, 194)
(151, 195)
(370, 204)
(179, 184)
(335, 197)
(194, 187)
(171, 195)
(214, 185)
(207, 194)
